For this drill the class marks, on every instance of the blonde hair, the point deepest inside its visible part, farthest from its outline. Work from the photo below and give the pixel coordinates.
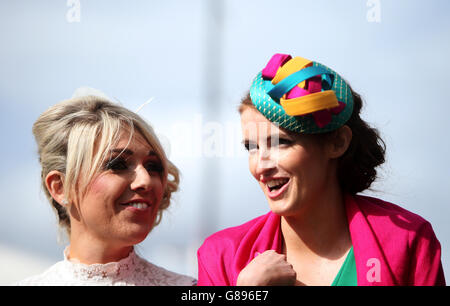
(75, 136)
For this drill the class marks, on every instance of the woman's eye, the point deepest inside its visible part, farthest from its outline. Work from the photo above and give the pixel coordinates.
(250, 146)
(283, 141)
(116, 164)
(154, 167)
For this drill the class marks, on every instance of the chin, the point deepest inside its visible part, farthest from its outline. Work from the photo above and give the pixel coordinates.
(282, 208)
(137, 234)
(134, 239)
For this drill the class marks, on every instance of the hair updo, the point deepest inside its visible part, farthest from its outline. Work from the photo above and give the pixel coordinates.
(74, 138)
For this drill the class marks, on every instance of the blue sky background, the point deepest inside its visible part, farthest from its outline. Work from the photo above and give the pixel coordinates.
(134, 50)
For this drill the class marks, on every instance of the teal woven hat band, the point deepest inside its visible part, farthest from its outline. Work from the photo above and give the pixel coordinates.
(301, 95)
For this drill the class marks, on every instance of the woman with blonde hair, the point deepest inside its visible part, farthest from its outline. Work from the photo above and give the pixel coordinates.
(108, 179)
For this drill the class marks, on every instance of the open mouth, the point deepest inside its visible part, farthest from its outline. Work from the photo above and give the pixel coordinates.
(276, 184)
(277, 187)
(138, 206)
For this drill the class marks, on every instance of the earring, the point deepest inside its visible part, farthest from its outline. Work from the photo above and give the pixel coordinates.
(64, 202)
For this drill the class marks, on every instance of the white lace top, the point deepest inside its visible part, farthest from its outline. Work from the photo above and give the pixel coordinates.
(130, 271)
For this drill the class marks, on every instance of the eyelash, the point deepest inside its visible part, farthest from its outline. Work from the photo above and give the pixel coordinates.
(155, 167)
(282, 141)
(116, 164)
(285, 141)
(120, 164)
(247, 146)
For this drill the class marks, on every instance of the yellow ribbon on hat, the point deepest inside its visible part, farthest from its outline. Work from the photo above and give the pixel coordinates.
(310, 103)
(305, 104)
(292, 66)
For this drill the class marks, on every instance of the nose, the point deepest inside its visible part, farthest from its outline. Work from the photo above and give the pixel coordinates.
(265, 162)
(142, 179)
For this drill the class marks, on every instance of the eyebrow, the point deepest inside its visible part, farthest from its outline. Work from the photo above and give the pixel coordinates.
(129, 152)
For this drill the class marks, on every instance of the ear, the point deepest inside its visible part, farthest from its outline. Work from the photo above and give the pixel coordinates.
(54, 184)
(340, 141)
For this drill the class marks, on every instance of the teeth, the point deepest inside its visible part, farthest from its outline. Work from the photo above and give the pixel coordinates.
(277, 182)
(139, 205)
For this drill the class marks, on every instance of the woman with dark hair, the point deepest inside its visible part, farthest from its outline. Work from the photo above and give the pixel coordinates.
(311, 153)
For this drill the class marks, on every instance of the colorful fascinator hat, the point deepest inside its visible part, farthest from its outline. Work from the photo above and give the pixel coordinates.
(301, 95)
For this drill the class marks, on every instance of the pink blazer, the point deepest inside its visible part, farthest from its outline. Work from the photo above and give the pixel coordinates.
(392, 246)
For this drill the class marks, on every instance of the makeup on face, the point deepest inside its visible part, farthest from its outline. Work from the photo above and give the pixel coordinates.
(120, 161)
(122, 201)
(289, 168)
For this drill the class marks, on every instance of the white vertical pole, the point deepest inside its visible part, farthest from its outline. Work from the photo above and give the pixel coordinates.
(210, 186)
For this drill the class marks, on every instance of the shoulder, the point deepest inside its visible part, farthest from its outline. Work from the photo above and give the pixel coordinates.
(389, 215)
(49, 277)
(225, 253)
(230, 238)
(154, 275)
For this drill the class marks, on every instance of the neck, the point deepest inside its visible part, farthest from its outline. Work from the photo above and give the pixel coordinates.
(89, 250)
(320, 229)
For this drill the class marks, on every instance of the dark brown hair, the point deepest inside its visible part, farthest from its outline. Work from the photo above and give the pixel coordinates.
(357, 167)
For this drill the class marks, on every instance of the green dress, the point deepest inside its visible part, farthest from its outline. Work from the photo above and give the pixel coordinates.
(347, 273)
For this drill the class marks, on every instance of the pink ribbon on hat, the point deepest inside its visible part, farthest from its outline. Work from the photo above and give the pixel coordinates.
(272, 66)
(322, 117)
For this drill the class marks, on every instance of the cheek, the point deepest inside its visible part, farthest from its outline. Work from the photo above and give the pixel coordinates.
(312, 170)
(107, 188)
(252, 164)
(158, 188)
